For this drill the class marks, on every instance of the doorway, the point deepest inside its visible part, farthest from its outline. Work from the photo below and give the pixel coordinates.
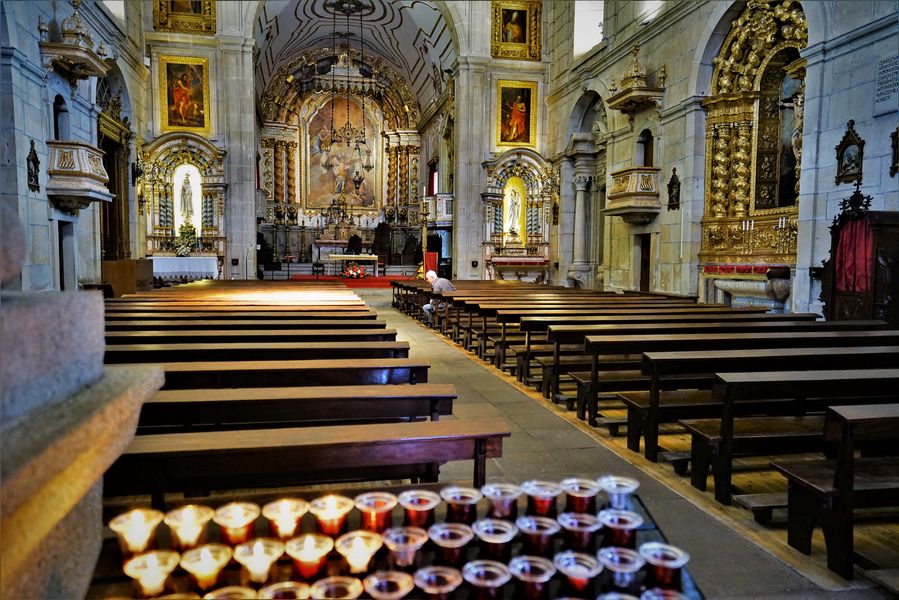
(644, 248)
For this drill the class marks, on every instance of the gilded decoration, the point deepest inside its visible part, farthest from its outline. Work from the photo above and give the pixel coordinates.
(184, 16)
(184, 94)
(516, 113)
(754, 137)
(515, 30)
(850, 155)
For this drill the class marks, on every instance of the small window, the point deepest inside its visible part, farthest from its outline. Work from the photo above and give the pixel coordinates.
(644, 149)
(433, 178)
(60, 119)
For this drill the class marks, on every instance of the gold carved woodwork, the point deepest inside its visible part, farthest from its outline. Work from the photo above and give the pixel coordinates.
(391, 174)
(279, 172)
(742, 222)
(291, 172)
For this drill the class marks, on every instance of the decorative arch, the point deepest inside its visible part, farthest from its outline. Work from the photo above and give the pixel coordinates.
(161, 157)
(588, 114)
(756, 92)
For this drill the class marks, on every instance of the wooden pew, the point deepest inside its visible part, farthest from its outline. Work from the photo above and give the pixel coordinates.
(172, 462)
(829, 491)
(258, 351)
(237, 324)
(637, 344)
(774, 427)
(151, 314)
(217, 409)
(281, 373)
(177, 336)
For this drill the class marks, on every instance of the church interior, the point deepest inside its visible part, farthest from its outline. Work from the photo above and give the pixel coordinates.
(667, 233)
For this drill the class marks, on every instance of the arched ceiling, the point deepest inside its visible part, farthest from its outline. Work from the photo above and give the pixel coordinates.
(410, 35)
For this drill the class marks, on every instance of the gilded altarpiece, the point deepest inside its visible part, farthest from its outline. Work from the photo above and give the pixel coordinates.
(754, 142)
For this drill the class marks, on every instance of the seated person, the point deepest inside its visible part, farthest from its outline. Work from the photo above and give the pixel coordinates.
(438, 284)
(354, 245)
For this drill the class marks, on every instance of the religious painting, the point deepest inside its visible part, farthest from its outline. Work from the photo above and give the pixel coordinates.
(332, 165)
(515, 31)
(850, 154)
(184, 16)
(184, 94)
(514, 200)
(516, 113)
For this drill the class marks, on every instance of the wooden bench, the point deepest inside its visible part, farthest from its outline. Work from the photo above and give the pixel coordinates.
(175, 336)
(147, 315)
(235, 324)
(281, 373)
(828, 491)
(157, 464)
(216, 409)
(267, 351)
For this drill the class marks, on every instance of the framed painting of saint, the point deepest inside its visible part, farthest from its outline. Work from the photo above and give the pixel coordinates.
(516, 113)
(184, 94)
(515, 30)
(184, 16)
(850, 154)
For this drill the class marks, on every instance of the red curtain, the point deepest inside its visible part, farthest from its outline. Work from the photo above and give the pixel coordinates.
(430, 261)
(853, 262)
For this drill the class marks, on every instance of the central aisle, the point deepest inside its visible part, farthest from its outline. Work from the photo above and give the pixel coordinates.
(545, 446)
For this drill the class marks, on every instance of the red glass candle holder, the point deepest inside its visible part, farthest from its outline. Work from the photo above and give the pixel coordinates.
(205, 564)
(257, 557)
(620, 527)
(309, 553)
(376, 509)
(461, 504)
(503, 500)
(285, 590)
(665, 564)
(541, 497)
(578, 568)
(537, 534)
(404, 543)
(419, 507)
(580, 494)
(330, 513)
(623, 564)
(233, 592)
(486, 577)
(388, 585)
(580, 530)
(496, 536)
(236, 520)
(451, 538)
(357, 548)
(619, 490)
(338, 588)
(662, 594)
(438, 582)
(188, 525)
(150, 571)
(533, 574)
(284, 516)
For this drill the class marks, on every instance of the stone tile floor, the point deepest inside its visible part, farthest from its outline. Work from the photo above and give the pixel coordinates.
(724, 562)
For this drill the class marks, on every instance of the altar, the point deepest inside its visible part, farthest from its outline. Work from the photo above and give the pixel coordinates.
(322, 248)
(192, 267)
(336, 259)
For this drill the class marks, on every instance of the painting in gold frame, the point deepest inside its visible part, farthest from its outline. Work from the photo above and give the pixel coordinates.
(184, 94)
(184, 16)
(516, 113)
(515, 30)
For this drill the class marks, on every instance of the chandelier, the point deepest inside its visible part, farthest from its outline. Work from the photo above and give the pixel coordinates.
(348, 134)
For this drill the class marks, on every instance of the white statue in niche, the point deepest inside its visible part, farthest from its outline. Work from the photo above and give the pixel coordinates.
(514, 208)
(187, 199)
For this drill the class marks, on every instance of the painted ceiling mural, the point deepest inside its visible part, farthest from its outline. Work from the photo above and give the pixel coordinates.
(411, 36)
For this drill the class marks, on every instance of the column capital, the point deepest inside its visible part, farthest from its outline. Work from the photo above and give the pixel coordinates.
(581, 183)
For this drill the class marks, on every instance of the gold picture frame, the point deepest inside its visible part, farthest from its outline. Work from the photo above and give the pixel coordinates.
(516, 113)
(184, 94)
(515, 30)
(184, 16)
(850, 156)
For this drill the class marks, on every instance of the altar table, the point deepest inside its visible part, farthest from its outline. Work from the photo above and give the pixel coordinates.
(336, 258)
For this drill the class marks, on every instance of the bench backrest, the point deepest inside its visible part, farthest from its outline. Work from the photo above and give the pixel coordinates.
(858, 425)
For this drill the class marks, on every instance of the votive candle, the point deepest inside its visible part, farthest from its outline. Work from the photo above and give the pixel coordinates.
(404, 543)
(503, 498)
(309, 553)
(330, 513)
(357, 547)
(236, 521)
(580, 494)
(533, 574)
(205, 563)
(151, 570)
(188, 525)
(437, 582)
(257, 557)
(419, 507)
(285, 590)
(461, 504)
(451, 538)
(578, 568)
(541, 497)
(388, 585)
(376, 509)
(136, 530)
(665, 564)
(284, 515)
(620, 527)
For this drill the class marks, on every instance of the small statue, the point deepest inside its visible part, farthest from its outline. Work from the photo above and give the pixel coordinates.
(187, 203)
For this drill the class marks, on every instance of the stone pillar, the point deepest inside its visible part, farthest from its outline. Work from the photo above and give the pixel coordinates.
(581, 186)
(582, 154)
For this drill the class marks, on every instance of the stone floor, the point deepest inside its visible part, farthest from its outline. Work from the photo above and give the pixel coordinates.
(724, 563)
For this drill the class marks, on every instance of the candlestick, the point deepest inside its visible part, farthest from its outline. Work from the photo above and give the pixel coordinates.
(438, 582)
(461, 504)
(580, 494)
(450, 538)
(357, 547)
(533, 574)
(151, 570)
(419, 506)
(486, 576)
(503, 499)
(205, 563)
(388, 585)
(188, 525)
(236, 521)
(309, 553)
(404, 543)
(284, 590)
(376, 510)
(336, 587)
(284, 515)
(579, 568)
(330, 513)
(136, 530)
(257, 557)
(537, 533)
(541, 497)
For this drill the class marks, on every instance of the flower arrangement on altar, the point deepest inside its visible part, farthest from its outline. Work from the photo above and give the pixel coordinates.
(353, 271)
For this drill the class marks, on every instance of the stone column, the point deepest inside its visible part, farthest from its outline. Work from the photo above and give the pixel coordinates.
(579, 252)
